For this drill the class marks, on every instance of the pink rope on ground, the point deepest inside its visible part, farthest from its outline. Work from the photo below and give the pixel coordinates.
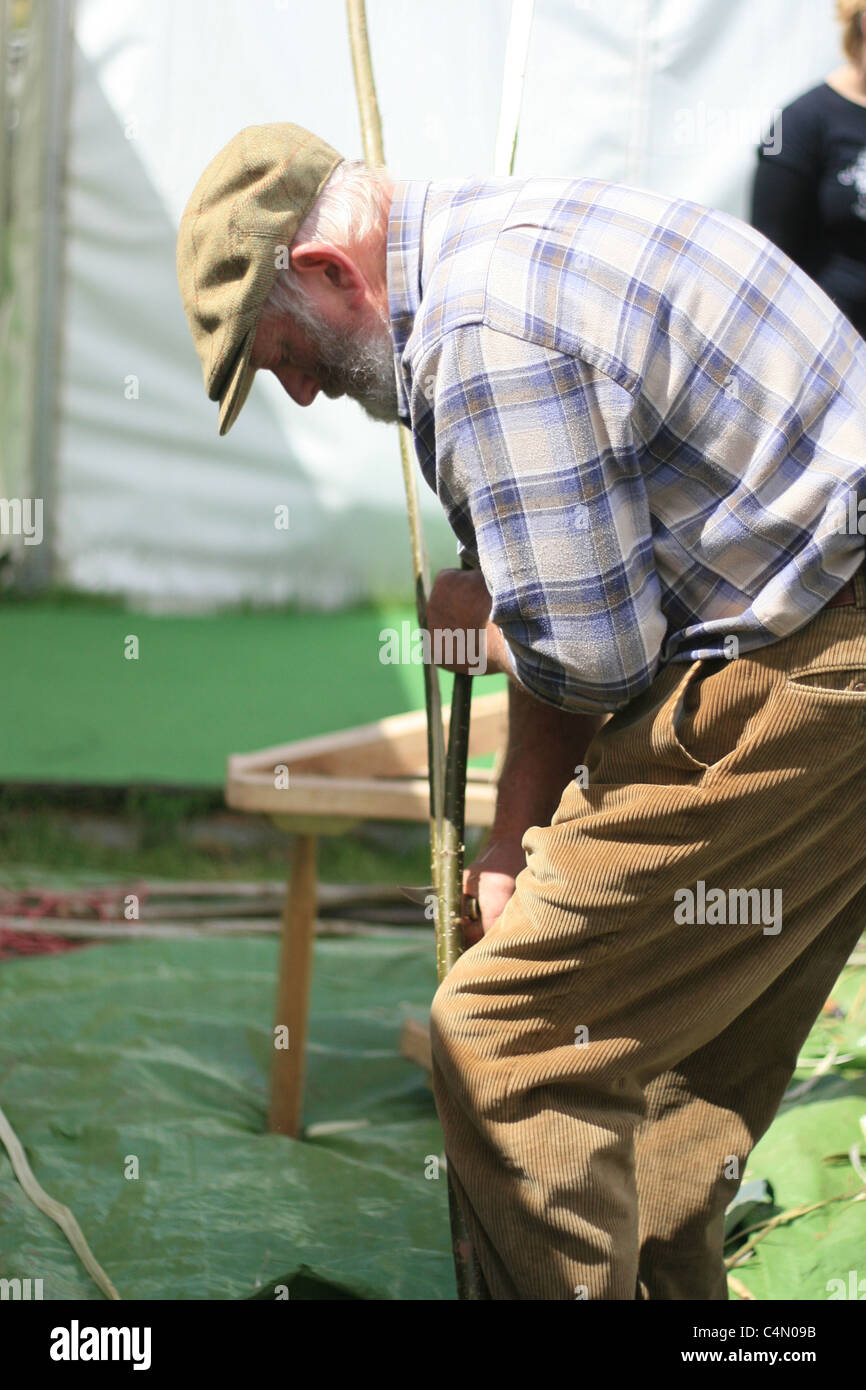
(94, 904)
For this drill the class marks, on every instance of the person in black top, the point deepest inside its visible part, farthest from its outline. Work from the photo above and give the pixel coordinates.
(809, 193)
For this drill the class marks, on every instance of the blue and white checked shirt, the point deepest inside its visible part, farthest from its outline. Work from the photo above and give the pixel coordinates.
(643, 421)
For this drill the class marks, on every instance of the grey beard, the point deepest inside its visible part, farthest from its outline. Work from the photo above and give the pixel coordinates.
(357, 364)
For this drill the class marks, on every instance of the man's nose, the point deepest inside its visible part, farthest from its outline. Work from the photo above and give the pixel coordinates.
(302, 387)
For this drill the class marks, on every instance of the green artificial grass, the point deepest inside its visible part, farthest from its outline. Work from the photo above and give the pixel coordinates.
(76, 710)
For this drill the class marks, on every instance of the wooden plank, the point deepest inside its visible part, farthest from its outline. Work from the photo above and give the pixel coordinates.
(387, 747)
(392, 747)
(191, 931)
(200, 899)
(309, 796)
(327, 894)
(415, 1044)
(237, 888)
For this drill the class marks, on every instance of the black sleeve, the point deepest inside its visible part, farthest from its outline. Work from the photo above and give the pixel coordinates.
(785, 209)
(785, 189)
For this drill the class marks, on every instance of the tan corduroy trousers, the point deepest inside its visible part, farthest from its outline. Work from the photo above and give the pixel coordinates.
(605, 1059)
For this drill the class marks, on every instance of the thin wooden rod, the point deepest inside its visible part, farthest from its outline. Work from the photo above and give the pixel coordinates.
(444, 859)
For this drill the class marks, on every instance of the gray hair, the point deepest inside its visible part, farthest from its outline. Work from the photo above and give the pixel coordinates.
(348, 209)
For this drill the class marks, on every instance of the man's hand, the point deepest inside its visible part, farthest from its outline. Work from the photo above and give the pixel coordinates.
(458, 619)
(490, 879)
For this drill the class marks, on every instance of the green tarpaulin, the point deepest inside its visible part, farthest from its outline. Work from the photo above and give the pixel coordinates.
(154, 1057)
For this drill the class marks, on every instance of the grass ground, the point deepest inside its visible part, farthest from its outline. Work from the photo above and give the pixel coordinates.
(184, 835)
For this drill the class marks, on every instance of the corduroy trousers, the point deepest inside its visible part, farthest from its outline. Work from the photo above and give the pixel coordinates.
(605, 1059)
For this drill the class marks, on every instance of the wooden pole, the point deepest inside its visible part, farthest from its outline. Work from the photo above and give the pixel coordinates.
(454, 816)
(445, 844)
(513, 76)
(374, 154)
(293, 991)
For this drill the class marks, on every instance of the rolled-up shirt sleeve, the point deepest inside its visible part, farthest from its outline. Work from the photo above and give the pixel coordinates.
(538, 474)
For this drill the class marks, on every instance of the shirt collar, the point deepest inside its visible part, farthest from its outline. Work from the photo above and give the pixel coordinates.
(405, 224)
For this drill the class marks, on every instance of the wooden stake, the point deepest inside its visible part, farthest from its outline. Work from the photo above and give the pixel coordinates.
(374, 154)
(443, 842)
(293, 991)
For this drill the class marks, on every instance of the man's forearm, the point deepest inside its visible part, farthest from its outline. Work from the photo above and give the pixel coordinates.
(544, 747)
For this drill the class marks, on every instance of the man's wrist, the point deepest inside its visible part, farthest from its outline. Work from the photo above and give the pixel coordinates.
(496, 652)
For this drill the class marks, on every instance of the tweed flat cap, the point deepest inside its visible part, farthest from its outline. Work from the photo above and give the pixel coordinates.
(248, 203)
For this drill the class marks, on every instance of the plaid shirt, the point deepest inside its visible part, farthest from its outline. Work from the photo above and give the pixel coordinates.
(642, 420)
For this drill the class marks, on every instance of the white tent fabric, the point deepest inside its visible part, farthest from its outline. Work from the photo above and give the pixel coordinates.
(669, 94)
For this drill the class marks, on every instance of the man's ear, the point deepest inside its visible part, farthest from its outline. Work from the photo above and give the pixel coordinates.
(321, 258)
